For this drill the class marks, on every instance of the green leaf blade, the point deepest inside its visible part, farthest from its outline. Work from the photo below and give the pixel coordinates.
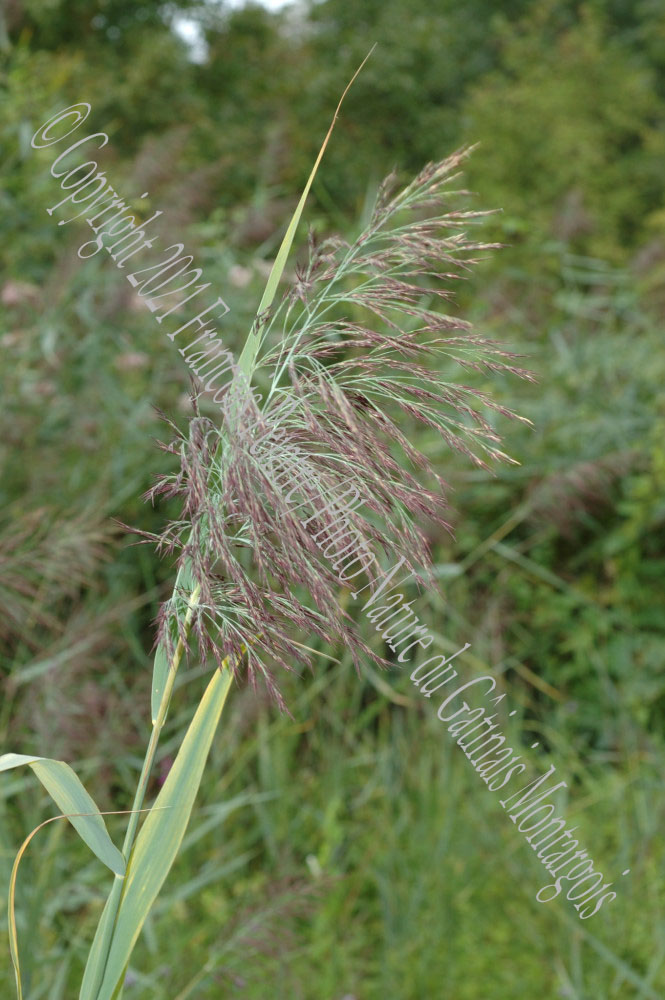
(250, 350)
(67, 791)
(186, 584)
(160, 672)
(160, 836)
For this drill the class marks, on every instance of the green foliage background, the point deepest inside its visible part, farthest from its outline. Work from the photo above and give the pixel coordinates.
(348, 852)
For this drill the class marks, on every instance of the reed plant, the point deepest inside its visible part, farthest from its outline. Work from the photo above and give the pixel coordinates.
(355, 354)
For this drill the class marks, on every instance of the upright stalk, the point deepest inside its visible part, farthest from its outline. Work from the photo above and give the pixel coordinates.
(157, 726)
(106, 926)
(96, 970)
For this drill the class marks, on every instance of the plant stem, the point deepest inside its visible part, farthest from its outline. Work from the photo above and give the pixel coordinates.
(115, 896)
(157, 729)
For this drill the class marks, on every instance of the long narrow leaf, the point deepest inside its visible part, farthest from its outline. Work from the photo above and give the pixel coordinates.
(160, 672)
(186, 584)
(11, 904)
(161, 835)
(250, 350)
(94, 967)
(65, 788)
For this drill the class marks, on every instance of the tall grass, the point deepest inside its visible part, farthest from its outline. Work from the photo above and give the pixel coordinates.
(348, 344)
(320, 349)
